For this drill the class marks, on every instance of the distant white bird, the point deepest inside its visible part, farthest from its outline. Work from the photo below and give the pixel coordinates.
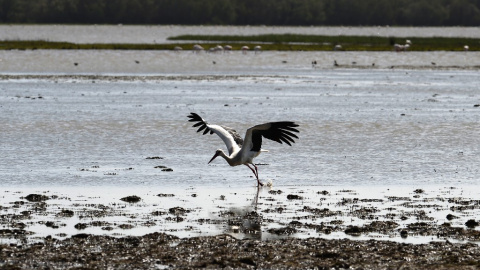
(216, 49)
(245, 49)
(197, 48)
(466, 48)
(243, 151)
(402, 48)
(398, 47)
(257, 49)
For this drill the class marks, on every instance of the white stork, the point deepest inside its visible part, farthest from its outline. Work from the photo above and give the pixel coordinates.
(243, 151)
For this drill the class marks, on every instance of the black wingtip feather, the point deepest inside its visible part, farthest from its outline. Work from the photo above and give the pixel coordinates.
(202, 124)
(281, 132)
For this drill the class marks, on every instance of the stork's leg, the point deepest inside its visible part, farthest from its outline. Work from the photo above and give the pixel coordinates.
(252, 170)
(259, 183)
(256, 174)
(255, 171)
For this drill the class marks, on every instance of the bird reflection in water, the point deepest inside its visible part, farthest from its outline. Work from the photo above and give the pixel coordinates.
(244, 222)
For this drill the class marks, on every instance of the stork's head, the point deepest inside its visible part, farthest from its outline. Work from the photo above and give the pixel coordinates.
(217, 153)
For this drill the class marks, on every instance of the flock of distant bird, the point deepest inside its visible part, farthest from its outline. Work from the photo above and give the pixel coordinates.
(245, 49)
(198, 48)
(408, 43)
(219, 48)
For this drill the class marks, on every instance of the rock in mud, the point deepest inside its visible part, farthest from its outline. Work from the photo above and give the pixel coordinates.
(283, 231)
(294, 197)
(178, 211)
(36, 198)
(80, 226)
(131, 199)
(471, 223)
(65, 213)
(14, 232)
(450, 217)
(353, 230)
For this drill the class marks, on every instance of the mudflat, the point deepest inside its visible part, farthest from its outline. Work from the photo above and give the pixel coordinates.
(277, 228)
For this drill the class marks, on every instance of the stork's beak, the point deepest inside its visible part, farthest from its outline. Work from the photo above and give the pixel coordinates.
(214, 156)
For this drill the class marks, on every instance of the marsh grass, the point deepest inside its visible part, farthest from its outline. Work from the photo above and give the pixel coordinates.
(353, 43)
(284, 42)
(51, 45)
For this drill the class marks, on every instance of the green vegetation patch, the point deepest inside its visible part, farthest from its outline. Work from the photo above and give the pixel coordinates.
(286, 38)
(50, 45)
(283, 42)
(353, 43)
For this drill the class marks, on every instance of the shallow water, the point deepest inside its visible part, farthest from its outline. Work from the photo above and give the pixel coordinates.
(187, 63)
(91, 133)
(358, 127)
(245, 213)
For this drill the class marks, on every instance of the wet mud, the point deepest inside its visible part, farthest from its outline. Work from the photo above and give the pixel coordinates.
(276, 228)
(163, 251)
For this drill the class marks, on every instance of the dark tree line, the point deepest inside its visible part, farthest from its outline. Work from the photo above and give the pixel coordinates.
(244, 12)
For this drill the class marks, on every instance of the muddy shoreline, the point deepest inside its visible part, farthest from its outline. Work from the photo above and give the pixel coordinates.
(210, 77)
(162, 251)
(276, 228)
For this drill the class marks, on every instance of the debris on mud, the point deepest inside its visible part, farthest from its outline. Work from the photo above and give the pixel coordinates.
(165, 195)
(154, 157)
(164, 168)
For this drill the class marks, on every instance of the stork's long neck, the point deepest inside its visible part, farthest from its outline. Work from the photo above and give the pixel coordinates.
(232, 160)
(229, 159)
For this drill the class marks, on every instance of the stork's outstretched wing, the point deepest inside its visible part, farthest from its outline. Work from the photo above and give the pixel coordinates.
(281, 132)
(230, 137)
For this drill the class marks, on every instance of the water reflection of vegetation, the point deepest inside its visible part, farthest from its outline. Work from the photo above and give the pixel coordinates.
(320, 42)
(282, 42)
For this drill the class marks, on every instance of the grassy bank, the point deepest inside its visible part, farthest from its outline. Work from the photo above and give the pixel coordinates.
(350, 43)
(286, 42)
(49, 45)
